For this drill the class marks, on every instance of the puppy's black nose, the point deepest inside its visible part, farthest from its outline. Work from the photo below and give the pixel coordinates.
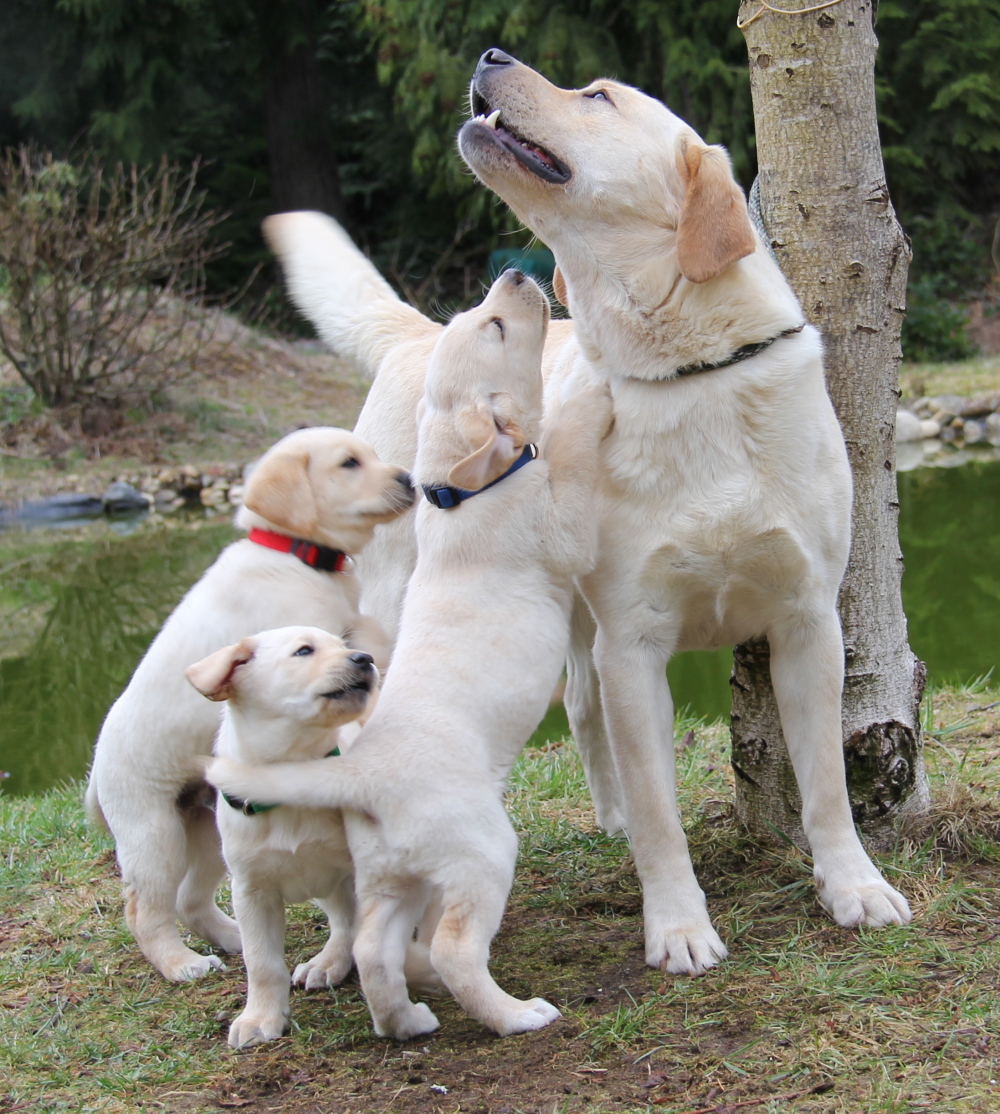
(361, 659)
(495, 57)
(405, 479)
(517, 277)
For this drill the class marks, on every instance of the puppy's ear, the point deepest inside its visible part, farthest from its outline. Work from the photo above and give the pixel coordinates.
(491, 428)
(714, 229)
(559, 288)
(215, 676)
(280, 491)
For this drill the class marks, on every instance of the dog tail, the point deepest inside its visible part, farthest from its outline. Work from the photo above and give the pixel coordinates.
(321, 783)
(92, 805)
(332, 284)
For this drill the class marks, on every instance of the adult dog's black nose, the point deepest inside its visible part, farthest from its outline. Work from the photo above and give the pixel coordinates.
(492, 60)
(361, 659)
(494, 57)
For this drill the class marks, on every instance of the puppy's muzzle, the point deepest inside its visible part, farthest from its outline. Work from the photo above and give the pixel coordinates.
(359, 678)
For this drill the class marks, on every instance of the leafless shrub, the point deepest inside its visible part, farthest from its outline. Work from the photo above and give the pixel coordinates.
(103, 281)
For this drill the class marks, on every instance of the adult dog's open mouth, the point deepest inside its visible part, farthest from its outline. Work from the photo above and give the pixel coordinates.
(543, 164)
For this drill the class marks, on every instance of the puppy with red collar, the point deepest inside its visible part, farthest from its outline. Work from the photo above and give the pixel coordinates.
(312, 501)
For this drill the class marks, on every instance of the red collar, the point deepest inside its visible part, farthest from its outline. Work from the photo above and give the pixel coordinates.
(319, 557)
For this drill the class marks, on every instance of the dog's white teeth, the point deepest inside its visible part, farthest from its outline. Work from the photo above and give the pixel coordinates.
(491, 120)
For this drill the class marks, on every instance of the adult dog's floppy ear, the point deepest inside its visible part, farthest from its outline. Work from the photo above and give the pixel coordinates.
(279, 490)
(489, 426)
(215, 676)
(714, 229)
(559, 288)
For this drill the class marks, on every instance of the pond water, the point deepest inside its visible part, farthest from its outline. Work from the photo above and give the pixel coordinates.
(78, 607)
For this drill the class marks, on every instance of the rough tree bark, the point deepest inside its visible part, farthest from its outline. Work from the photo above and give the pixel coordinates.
(825, 205)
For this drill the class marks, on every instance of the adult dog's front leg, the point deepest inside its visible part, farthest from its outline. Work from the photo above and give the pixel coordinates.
(639, 716)
(807, 671)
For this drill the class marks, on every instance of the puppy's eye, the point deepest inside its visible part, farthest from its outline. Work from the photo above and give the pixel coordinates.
(598, 95)
(351, 462)
(303, 652)
(499, 324)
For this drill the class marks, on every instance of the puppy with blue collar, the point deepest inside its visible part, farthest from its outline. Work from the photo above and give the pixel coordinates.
(482, 641)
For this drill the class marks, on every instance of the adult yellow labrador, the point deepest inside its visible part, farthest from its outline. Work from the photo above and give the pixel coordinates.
(724, 489)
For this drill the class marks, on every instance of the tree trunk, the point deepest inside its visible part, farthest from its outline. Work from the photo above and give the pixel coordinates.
(825, 205)
(301, 157)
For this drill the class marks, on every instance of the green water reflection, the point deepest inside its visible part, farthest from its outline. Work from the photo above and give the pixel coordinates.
(78, 609)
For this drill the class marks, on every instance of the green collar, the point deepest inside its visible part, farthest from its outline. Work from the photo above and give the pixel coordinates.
(249, 808)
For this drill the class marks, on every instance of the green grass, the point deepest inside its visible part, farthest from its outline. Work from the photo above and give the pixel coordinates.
(969, 378)
(901, 1019)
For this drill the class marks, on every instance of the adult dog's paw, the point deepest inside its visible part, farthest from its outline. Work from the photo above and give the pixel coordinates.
(871, 902)
(536, 1014)
(249, 1029)
(323, 970)
(685, 949)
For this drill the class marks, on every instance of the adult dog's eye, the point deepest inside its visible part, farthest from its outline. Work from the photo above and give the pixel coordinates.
(303, 652)
(351, 462)
(598, 95)
(499, 324)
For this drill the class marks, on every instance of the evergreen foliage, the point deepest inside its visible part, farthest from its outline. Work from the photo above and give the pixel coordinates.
(137, 80)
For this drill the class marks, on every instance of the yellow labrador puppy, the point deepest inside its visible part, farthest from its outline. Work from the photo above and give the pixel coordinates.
(482, 642)
(287, 691)
(314, 499)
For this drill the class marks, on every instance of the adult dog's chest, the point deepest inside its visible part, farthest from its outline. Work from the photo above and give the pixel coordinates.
(699, 544)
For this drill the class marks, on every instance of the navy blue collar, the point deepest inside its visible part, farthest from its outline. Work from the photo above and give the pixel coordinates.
(448, 497)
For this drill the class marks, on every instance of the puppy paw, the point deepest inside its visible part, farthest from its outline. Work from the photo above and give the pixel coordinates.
(416, 1020)
(322, 971)
(192, 966)
(536, 1014)
(871, 902)
(249, 1030)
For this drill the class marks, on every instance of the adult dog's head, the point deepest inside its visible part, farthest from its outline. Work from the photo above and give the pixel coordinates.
(483, 392)
(325, 485)
(646, 220)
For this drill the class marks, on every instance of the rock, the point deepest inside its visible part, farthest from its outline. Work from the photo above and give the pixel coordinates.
(929, 428)
(907, 426)
(977, 408)
(974, 432)
(123, 498)
(949, 434)
(950, 404)
(58, 508)
(993, 429)
(213, 496)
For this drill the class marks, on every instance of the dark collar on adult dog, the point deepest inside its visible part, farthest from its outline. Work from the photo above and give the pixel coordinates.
(448, 497)
(737, 357)
(319, 557)
(248, 808)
